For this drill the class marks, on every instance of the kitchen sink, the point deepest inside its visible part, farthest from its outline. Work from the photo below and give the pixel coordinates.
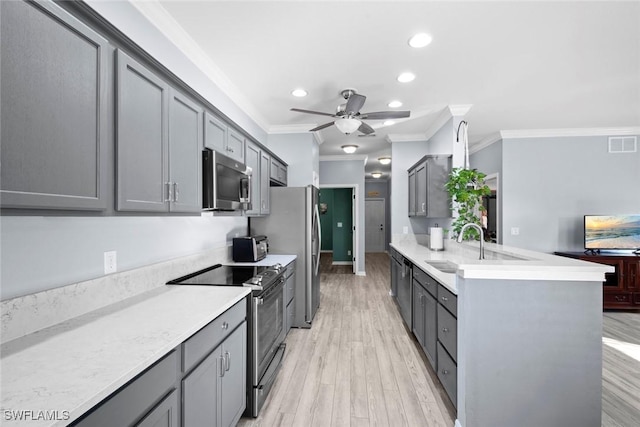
(502, 256)
(444, 266)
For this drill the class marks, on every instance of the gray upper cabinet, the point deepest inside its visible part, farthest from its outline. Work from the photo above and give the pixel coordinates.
(278, 172)
(219, 137)
(185, 159)
(427, 194)
(252, 159)
(142, 138)
(265, 161)
(53, 80)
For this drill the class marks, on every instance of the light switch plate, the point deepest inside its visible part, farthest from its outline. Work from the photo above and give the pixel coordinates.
(339, 225)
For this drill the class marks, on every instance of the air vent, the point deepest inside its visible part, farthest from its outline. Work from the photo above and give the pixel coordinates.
(623, 144)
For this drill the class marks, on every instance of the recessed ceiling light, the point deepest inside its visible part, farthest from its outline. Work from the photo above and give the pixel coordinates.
(395, 104)
(388, 123)
(376, 175)
(406, 77)
(299, 93)
(384, 160)
(349, 149)
(420, 40)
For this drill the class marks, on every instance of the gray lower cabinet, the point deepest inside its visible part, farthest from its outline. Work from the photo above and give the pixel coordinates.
(142, 399)
(259, 185)
(214, 393)
(448, 342)
(54, 75)
(427, 194)
(289, 292)
(158, 143)
(424, 320)
(163, 415)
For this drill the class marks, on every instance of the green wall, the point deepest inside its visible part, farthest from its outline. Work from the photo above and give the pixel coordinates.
(339, 211)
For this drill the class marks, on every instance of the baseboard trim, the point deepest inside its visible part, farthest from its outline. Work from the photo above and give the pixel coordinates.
(342, 263)
(361, 273)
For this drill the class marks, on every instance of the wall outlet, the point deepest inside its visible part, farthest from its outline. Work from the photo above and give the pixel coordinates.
(515, 231)
(110, 262)
(339, 225)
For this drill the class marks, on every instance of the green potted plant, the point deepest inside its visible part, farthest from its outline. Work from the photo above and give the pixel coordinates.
(466, 188)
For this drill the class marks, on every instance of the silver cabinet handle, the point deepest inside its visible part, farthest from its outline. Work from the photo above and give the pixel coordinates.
(445, 299)
(225, 325)
(445, 329)
(444, 371)
(175, 192)
(221, 366)
(227, 360)
(167, 191)
(423, 206)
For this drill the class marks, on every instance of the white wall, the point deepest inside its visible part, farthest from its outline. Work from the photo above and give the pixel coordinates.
(302, 154)
(348, 172)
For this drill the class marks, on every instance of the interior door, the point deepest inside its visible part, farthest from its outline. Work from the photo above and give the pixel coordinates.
(374, 225)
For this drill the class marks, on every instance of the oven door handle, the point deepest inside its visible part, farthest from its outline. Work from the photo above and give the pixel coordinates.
(280, 284)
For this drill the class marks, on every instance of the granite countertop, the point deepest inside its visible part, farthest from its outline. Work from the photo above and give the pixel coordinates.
(74, 365)
(501, 262)
(270, 259)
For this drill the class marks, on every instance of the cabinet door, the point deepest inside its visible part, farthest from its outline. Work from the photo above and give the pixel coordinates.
(430, 328)
(418, 312)
(264, 183)
(53, 80)
(421, 190)
(163, 415)
(633, 275)
(142, 138)
(274, 170)
(282, 174)
(412, 192)
(200, 392)
(215, 134)
(252, 159)
(438, 169)
(185, 159)
(235, 146)
(233, 381)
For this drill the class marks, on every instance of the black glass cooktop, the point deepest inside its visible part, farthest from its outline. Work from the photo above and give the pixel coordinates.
(256, 277)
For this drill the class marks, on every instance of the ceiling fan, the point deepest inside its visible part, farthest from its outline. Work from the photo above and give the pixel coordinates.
(349, 117)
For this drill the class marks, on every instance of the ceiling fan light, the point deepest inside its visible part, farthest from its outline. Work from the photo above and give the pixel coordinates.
(420, 40)
(376, 175)
(349, 149)
(299, 93)
(406, 77)
(347, 125)
(395, 104)
(384, 160)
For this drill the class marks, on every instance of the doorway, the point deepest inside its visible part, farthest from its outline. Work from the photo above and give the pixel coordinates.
(492, 205)
(374, 225)
(338, 225)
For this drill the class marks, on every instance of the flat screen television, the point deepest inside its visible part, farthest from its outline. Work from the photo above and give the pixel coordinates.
(612, 232)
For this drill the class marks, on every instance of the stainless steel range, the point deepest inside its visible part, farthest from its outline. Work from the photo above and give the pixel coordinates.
(265, 323)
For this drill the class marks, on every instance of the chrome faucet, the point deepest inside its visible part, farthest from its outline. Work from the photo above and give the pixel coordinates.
(476, 226)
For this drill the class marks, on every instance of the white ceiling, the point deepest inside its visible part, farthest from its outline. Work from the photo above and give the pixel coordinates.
(519, 65)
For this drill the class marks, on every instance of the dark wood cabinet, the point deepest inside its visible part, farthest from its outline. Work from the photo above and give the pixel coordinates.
(621, 289)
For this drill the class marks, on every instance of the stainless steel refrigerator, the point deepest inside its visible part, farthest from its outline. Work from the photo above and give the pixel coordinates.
(293, 227)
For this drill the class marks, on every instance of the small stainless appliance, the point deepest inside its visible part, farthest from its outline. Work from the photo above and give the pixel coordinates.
(250, 249)
(226, 183)
(265, 321)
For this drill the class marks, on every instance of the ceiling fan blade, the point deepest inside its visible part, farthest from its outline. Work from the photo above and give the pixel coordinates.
(365, 128)
(355, 103)
(382, 115)
(326, 125)
(312, 112)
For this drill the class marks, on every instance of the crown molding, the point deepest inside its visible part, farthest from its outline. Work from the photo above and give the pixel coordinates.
(345, 157)
(560, 133)
(299, 128)
(447, 113)
(552, 133)
(401, 137)
(167, 25)
(459, 110)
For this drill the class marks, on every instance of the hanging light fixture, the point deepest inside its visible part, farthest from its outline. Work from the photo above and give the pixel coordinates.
(348, 125)
(376, 175)
(384, 160)
(349, 149)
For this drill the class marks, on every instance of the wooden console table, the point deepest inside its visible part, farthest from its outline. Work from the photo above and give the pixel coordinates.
(621, 289)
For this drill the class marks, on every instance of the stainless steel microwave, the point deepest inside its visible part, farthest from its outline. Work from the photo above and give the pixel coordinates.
(226, 183)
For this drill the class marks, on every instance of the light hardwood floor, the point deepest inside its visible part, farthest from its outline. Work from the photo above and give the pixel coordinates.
(359, 366)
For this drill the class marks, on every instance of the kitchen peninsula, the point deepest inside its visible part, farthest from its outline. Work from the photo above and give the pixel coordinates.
(515, 338)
